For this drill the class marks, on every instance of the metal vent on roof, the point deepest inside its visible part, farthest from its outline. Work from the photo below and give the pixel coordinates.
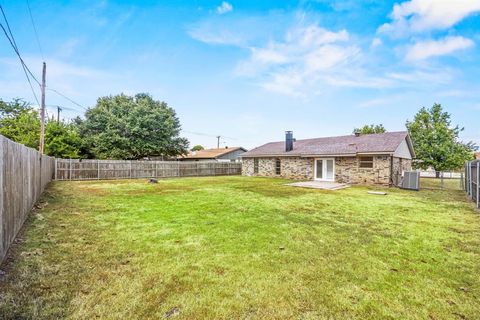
(411, 180)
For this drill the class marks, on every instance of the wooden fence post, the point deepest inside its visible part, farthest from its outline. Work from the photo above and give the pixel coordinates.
(98, 169)
(470, 188)
(70, 169)
(478, 184)
(55, 168)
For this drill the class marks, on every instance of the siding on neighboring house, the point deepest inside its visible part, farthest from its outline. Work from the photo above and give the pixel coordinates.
(234, 155)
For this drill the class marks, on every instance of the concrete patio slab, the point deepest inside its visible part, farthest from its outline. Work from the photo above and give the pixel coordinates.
(326, 185)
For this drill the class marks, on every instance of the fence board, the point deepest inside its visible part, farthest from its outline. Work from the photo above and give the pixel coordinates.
(24, 174)
(73, 169)
(472, 181)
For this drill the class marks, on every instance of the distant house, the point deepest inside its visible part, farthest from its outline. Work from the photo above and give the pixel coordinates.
(371, 159)
(219, 154)
(477, 155)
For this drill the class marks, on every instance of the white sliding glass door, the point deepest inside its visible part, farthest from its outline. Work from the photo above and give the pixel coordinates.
(325, 169)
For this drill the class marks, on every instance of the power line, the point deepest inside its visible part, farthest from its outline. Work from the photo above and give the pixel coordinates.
(35, 30)
(208, 135)
(69, 99)
(14, 46)
(13, 43)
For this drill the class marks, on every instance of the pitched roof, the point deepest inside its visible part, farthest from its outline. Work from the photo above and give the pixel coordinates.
(343, 145)
(210, 153)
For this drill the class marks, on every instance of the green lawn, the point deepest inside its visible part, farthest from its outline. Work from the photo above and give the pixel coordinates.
(244, 248)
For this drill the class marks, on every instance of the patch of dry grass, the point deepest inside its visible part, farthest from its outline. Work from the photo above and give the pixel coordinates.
(237, 247)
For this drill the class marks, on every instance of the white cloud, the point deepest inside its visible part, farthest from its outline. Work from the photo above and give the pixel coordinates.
(425, 49)
(376, 42)
(224, 7)
(376, 102)
(220, 36)
(70, 79)
(306, 56)
(423, 15)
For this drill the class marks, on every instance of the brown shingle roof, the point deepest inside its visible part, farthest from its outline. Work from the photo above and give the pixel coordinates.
(342, 145)
(210, 153)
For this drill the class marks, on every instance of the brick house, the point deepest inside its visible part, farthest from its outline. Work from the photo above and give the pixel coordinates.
(356, 159)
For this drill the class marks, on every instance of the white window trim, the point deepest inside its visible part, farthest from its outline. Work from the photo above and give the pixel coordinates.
(315, 169)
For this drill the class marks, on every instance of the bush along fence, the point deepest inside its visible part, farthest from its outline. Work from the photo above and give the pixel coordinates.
(472, 181)
(70, 169)
(24, 174)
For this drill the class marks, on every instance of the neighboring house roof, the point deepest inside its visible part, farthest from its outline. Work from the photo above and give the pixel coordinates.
(477, 155)
(383, 143)
(211, 153)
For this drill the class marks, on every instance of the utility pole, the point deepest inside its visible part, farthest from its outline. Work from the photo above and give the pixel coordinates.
(218, 142)
(42, 110)
(58, 113)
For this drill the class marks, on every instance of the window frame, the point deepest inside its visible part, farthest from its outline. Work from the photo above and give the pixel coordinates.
(278, 166)
(369, 163)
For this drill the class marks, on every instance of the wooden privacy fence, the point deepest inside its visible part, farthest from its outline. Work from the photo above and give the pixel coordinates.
(472, 181)
(70, 169)
(24, 173)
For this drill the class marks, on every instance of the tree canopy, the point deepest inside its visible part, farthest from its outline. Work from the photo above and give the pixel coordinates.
(197, 147)
(62, 140)
(21, 123)
(370, 129)
(131, 127)
(436, 141)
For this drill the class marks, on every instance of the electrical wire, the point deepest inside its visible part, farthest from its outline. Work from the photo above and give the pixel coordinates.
(13, 43)
(69, 99)
(35, 30)
(208, 135)
(24, 67)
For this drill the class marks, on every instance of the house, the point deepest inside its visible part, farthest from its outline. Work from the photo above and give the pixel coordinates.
(219, 154)
(477, 155)
(369, 159)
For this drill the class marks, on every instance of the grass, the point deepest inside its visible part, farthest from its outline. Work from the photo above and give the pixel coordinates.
(243, 248)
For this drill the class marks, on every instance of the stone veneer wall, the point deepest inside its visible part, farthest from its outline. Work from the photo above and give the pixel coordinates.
(291, 167)
(346, 169)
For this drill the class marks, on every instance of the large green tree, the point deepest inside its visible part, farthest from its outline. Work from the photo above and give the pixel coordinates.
(62, 140)
(436, 141)
(20, 122)
(370, 129)
(131, 127)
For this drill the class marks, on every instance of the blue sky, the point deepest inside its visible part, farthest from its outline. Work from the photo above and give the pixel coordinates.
(249, 70)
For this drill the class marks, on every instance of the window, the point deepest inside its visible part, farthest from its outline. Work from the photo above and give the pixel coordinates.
(255, 165)
(278, 165)
(365, 162)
